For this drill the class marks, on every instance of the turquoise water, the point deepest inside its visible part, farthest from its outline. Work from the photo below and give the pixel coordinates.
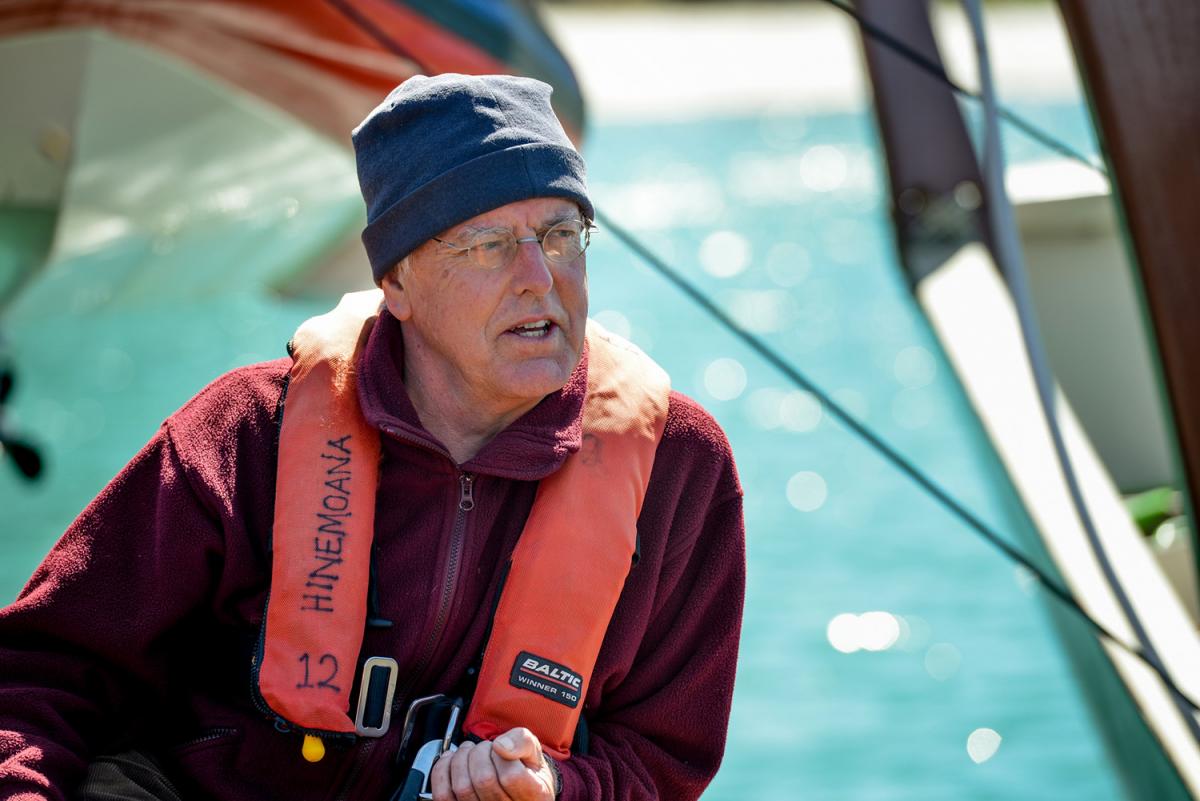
(783, 221)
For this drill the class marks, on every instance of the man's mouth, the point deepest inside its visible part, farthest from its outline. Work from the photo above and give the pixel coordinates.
(540, 328)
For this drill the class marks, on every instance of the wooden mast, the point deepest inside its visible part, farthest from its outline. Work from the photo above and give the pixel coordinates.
(1150, 731)
(934, 177)
(1141, 65)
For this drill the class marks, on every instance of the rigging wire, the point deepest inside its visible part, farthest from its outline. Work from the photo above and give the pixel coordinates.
(1011, 262)
(765, 352)
(881, 446)
(919, 59)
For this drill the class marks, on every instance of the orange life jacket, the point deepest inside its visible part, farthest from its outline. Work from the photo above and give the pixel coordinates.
(567, 569)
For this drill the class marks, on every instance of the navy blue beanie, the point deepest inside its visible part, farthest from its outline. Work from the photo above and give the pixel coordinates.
(444, 149)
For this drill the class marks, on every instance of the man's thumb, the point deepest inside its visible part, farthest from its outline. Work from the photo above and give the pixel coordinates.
(519, 744)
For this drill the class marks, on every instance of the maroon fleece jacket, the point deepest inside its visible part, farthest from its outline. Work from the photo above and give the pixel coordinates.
(139, 627)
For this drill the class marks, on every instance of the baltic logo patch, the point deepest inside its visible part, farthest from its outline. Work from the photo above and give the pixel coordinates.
(547, 679)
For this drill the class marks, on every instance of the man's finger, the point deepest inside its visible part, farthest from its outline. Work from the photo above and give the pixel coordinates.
(460, 774)
(522, 767)
(520, 744)
(484, 778)
(519, 782)
(439, 778)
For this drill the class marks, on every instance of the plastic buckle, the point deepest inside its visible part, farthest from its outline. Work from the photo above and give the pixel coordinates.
(376, 690)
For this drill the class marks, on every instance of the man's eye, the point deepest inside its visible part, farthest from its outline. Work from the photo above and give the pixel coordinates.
(566, 231)
(489, 245)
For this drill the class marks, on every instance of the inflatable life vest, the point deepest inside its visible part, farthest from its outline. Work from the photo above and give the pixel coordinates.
(566, 573)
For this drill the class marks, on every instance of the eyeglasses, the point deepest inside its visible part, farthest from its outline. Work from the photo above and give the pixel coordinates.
(561, 243)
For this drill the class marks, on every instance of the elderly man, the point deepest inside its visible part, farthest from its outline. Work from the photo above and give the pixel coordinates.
(458, 501)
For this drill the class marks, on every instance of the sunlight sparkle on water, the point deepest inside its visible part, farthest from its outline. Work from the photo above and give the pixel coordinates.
(878, 631)
(725, 254)
(823, 168)
(914, 367)
(762, 310)
(771, 408)
(870, 631)
(725, 378)
(800, 411)
(760, 180)
(842, 632)
(681, 195)
(764, 407)
(982, 744)
(807, 491)
(942, 660)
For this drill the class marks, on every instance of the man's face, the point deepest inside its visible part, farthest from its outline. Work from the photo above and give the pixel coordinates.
(460, 320)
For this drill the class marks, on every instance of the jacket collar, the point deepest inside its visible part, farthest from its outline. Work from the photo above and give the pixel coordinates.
(533, 447)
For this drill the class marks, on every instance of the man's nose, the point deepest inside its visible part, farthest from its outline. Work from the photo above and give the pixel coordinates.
(531, 269)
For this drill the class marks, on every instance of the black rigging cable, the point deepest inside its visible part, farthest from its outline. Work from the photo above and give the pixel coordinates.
(935, 69)
(764, 351)
(1062, 594)
(880, 445)
(1051, 142)
(1007, 249)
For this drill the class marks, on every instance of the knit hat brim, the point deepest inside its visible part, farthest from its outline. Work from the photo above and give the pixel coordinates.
(470, 189)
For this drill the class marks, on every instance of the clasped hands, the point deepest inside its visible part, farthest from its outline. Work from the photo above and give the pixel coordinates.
(510, 768)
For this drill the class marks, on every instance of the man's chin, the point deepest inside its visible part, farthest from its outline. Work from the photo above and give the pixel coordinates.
(535, 379)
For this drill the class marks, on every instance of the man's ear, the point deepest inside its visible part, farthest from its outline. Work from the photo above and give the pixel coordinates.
(395, 297)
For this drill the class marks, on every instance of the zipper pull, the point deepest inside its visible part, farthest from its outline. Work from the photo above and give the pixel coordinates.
(466, 499)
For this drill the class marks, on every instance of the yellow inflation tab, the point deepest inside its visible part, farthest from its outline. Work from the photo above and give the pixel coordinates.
(313, 749)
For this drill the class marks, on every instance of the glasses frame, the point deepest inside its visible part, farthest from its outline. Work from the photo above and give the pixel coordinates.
(540, 239)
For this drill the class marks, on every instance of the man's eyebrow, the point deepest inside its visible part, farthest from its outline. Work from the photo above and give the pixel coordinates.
(562, 216)
(476, 229)
(554, 219)
(547, 222)
(460, 231)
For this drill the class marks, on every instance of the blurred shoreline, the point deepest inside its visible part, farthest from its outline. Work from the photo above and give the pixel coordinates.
(680, 62)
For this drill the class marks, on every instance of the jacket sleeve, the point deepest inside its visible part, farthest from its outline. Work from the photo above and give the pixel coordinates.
(83, 648)
(663, 735)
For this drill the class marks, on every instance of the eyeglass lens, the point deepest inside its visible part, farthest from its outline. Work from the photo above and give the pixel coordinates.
(561, 243)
